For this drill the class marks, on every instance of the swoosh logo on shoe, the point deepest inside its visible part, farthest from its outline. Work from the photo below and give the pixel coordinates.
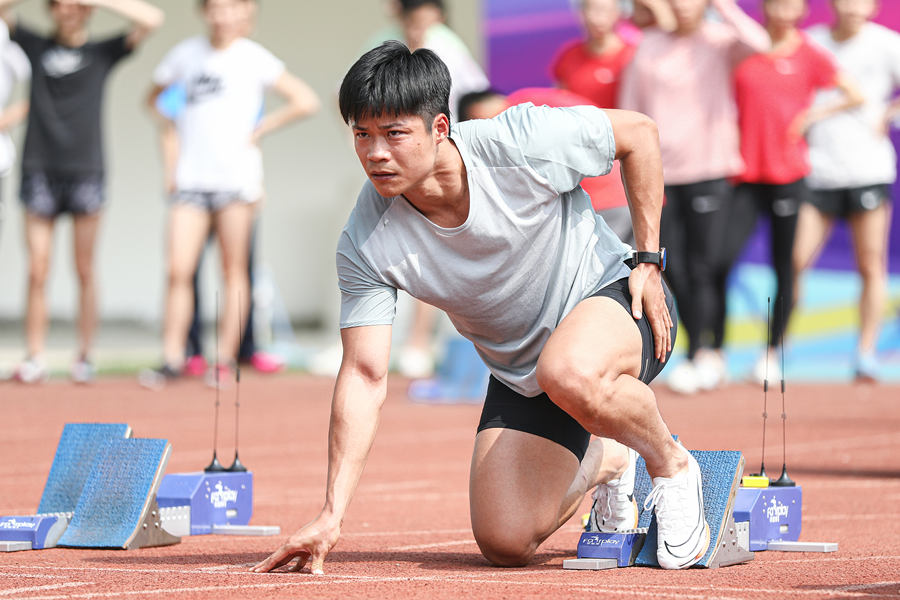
(699, 525)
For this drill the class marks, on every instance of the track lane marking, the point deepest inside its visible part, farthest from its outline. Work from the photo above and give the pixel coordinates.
(41, 588)
(431, 545)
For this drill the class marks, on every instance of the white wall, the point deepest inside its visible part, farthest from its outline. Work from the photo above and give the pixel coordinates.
(312, 177)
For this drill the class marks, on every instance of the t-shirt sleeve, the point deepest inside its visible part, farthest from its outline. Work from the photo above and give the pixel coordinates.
(563, 145)
(561, 65)
(115, 48)
(823, 70)
(893, 51)
(268, 67)
(17, 61)
(30, 42)
(364, 299)
(168, 71)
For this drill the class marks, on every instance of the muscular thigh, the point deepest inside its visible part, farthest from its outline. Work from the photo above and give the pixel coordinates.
(518, 483)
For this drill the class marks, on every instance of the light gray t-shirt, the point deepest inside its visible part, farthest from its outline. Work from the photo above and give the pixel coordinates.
(530, 250)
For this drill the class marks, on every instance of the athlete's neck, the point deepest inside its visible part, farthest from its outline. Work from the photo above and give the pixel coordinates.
(443, 196)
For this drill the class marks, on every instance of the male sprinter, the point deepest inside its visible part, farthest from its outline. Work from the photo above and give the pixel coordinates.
(490, 225)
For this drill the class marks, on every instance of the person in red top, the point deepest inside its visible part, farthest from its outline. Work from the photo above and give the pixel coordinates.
(590, 68)
(774, 92)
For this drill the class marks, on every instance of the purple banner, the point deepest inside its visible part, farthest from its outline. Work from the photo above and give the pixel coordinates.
(524, 35)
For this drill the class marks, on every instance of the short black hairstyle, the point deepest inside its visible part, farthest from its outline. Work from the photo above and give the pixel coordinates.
(407, 6)
(465, 104)
(391, 80)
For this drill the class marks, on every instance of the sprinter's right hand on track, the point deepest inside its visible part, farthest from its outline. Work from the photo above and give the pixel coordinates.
(310, 544)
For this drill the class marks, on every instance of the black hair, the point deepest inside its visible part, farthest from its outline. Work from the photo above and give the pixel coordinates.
(407, 6)
(391, 80)
(467, 101)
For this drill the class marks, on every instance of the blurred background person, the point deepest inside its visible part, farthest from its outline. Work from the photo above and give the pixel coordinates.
(854, 163)
(63, 159)
(592, 67)
(419, 24)
(775, 91)
(218, 169)
(14, 69)
(684, 81)
(196, 363)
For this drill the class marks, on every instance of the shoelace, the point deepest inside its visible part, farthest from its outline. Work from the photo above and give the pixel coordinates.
(604, 515)
(656, 494)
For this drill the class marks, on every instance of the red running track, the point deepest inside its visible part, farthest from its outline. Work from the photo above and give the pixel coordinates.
(407, 532)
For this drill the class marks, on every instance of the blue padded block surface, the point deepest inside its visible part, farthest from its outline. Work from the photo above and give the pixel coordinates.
(719, 469)
(78, 446)
(118, 490)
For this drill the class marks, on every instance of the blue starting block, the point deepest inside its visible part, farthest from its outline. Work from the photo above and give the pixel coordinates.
(774, 513)
(210, 499)
(38, 531)
(117, 507)
(623, 547)
(75, 454)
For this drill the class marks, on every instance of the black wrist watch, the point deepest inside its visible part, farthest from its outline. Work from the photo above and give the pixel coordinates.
(654, 258)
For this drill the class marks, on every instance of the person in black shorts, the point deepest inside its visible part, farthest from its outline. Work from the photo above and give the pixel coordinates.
(487, 221)
(854, 163)
(62, 163)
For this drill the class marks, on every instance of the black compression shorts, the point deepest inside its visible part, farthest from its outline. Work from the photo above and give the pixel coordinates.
(507, 409)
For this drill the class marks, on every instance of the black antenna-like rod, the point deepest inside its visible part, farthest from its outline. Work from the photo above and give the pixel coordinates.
(215, 465)
(784, 480)
(236, 465)
(765, 414)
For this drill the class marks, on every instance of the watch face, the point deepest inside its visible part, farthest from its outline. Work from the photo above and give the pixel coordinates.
(663, 257)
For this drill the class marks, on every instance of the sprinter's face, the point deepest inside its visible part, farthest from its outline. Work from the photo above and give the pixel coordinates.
(398, 152)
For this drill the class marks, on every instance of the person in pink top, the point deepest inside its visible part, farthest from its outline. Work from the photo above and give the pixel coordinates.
(775, 91)
(684, 81)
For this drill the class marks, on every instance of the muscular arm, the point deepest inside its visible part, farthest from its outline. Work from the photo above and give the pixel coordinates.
(144, 16)
(301, 102)
(637, 148)
(359, 393)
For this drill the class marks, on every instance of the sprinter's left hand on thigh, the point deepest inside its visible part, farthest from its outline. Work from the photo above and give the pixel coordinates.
(648, 298)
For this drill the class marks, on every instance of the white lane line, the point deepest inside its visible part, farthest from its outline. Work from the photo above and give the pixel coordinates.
(431, 545)
(309, 580)
(867, 586)
(658, 591)
(836, 591)
(850, 518)
(41, 588)
(32, 576)
(832, 559)
(400, 485)
(409, 533)
(241, 566)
